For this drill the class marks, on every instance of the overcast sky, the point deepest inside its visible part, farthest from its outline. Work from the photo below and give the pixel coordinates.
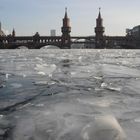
(29, 16)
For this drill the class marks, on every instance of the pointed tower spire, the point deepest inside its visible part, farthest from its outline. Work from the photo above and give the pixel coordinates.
(66, 16)
(99, 20)
(13, 33)
(66, 20)
(99, 16)
(0, 26)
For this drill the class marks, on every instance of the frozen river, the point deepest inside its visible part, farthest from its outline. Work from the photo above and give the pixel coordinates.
(58, 94)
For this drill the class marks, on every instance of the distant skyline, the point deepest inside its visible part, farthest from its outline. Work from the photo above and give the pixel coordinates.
(30, 16)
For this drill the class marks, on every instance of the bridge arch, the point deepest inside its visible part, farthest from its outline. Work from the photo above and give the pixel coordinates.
(22, 47)
(50, 47)
(47, 46)
(16, 46)
(83, 39)
(78, 40)
(83, 43)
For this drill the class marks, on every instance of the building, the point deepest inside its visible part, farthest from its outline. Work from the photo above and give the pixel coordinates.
(1, 32)
(135, 32)
(133, 35)
(53, 32)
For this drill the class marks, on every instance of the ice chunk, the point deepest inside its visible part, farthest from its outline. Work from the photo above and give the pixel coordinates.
(103, 85)
(137, 120)
(41, 73)
(1, 116)
(104, 128)
(109, 87)
(41, 83)
(7, 76)
(38, 58)
(40, 105)
(16, 85)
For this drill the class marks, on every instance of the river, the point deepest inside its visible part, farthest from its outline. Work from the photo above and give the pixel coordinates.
(53, 94)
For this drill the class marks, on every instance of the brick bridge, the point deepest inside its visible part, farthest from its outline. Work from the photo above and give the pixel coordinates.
(65, 41)
(37, 42)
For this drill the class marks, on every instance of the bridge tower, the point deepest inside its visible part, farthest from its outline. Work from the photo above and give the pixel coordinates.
(13, 33)
(99, 32)
(66, 29)
(0, 26)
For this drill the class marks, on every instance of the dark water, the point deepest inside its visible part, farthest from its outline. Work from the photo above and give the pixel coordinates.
(55, 94)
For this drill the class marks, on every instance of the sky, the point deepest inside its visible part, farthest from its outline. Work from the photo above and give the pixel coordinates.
(30, 16)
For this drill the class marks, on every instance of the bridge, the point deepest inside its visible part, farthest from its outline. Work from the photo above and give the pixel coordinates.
(37, 42)
(65, 41)
(31, 42)
(122, 42)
